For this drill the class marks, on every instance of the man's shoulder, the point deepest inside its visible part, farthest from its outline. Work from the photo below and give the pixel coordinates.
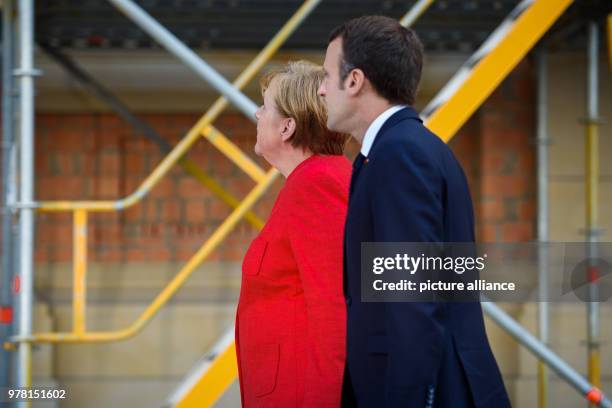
(412, 132)
(409, 144)
(408, 138)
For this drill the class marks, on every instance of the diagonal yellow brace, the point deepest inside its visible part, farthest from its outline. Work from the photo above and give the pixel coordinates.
(487, 74)
(210, 378)
(220, 376)
(174, 285)
(233, 152)
(223, 370)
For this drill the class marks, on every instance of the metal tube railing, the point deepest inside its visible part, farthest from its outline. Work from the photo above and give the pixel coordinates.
(542, 143)
(26, 74)
(552, 360)
(202, 127)
(592, 197)
(6, 297)
(415, 12)
(179, 279)
(169, 41)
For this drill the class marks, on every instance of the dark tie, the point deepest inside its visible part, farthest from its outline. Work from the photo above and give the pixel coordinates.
(357, 164)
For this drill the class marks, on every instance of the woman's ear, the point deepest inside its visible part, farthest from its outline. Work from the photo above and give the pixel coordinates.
(287, 128)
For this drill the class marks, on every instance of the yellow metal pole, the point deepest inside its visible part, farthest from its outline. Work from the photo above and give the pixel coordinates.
(542, 384)
(241, 159)
(80, 270)
(179, 279)
(592, 201)
(487, 74)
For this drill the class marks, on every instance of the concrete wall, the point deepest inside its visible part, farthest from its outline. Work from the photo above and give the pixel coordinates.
(143, 370)
(567, 98)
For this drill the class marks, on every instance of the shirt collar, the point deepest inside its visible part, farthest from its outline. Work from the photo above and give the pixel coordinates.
(374, 128)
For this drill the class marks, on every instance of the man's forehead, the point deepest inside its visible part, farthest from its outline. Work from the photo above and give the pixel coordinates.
(333, 49)
(336, 44)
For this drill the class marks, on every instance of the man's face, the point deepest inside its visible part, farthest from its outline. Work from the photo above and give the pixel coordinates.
(332, 89)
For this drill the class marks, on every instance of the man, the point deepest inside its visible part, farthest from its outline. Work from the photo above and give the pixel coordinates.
(406, 186)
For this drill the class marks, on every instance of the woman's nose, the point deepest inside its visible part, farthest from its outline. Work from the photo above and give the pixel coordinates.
(258, 113)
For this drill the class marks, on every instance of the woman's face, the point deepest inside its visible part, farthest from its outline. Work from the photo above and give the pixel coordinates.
(270, 126)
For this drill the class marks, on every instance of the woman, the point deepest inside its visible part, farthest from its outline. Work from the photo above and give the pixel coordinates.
(291, 318)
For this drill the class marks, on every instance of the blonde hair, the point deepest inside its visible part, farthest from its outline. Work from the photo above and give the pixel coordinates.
(296, 96)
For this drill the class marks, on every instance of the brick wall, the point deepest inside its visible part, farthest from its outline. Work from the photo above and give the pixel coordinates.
(497, 152)
(99, 157)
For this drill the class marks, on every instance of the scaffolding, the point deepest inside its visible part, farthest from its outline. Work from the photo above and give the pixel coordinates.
(444, 115)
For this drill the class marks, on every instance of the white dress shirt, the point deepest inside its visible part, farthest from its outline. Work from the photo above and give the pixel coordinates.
(374, 128)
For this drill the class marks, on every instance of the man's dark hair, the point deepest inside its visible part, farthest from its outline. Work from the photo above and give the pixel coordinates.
(389, 54)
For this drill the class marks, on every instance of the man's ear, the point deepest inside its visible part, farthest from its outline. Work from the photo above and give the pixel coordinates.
(287, 128)
(355, 81)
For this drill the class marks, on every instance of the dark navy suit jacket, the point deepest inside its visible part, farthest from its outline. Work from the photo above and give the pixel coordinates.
(411, 188)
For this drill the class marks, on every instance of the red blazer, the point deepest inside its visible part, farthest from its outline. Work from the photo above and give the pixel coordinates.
(291, 318)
